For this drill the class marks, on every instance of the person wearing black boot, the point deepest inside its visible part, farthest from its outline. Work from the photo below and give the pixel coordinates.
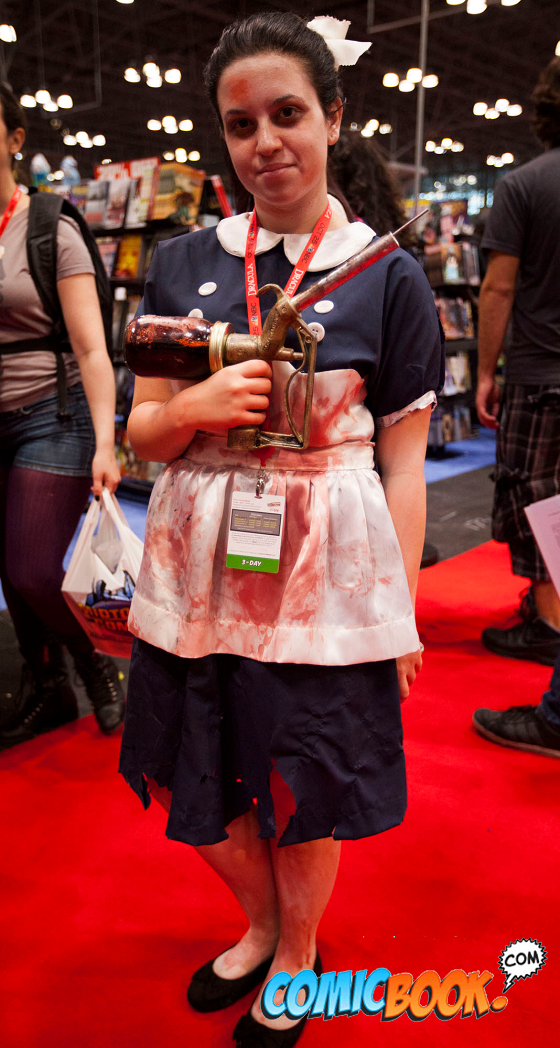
(45, 699)
(522, 236)
(535, 729)
(49, 451)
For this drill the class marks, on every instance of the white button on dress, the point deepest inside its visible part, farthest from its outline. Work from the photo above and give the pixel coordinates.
(208, 288)
(196, 313)
(324, 306)
(317, 330)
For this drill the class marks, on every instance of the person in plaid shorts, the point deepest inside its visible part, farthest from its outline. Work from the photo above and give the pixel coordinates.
(523, 281)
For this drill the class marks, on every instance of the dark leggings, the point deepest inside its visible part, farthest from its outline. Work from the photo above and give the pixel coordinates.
(39, 513)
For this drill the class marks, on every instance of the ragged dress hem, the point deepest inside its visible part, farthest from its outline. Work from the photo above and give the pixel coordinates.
(301, 828)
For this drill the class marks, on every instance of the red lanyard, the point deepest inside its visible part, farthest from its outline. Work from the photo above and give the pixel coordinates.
(298, 272)
(10, 209)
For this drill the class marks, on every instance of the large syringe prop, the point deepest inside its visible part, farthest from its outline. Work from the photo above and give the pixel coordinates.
(192, 348)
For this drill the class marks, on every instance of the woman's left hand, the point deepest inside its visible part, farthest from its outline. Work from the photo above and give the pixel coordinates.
(408, 667)
(105, 471)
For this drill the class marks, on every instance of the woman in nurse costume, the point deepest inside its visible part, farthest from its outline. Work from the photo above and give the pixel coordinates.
(264, 708)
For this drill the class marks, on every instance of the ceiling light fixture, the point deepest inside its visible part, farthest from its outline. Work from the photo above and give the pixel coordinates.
(472, 180)
(169, 156)
(430, 147)
(70, 140)
(476, 7)
(498, 162)
(491, 114)
(491, 160)
(107, 160)
(28, 101)
(173, 76)
(367, 132)
(150, 68)
(457, 147)
(414, 75)
(82, 136)
(65, 101)
(194, 155)
(406, 85)
(51, 106)
(508, 158)
(42, 96)
(509, 3)
(502, 105)
(8, 34)
(479, 108)
(186, 125)
(439, 149)
(99, 140)
(168, 121)
(154, 125)
(430, 80)
(557, 49)
(132, 75)
(515, 110)
(154, 81)
(455, 3)
(447, 143)
(385, 129)
(181, 155)
(86, 143)
(391, 80)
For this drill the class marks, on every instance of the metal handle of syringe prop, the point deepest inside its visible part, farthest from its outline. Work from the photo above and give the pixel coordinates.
(354, 265)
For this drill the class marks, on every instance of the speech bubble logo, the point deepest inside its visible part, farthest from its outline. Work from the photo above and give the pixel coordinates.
(520, 960)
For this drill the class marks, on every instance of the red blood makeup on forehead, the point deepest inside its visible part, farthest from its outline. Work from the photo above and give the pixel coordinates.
(239, 89)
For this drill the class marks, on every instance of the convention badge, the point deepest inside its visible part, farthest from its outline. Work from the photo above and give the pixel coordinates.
(255, 532)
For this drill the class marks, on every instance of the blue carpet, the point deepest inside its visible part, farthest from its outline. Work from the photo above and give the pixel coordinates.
(460, 457)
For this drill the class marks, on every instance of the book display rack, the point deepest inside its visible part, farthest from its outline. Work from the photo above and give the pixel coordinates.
(453, 271)
(131, 207)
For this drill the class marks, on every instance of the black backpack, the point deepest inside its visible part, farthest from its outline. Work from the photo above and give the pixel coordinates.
(45, 210)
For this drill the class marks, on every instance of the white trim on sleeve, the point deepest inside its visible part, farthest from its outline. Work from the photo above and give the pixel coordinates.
(417, 405)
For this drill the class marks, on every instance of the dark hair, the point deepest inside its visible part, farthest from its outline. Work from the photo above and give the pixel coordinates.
(280, 32)
(12, 113)
(546, 96)
(361, 171)
(284, 33)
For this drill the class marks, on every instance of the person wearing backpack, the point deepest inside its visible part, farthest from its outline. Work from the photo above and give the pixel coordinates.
(57, 404)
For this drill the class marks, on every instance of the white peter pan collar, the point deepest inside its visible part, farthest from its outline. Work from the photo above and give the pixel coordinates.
(336, 246)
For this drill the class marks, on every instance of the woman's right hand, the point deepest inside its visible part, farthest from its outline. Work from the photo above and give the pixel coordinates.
(238, 395)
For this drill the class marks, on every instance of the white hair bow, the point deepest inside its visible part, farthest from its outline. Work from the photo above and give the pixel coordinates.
(333, 31)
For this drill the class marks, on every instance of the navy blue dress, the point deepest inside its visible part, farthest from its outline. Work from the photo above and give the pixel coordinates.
(212, 728)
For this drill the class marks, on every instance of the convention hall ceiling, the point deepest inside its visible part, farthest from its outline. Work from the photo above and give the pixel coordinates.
(496, 54)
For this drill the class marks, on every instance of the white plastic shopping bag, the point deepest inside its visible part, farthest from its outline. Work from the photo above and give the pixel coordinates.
(101, 576)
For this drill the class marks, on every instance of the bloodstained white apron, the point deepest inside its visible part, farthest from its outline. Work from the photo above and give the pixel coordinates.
(341, 594)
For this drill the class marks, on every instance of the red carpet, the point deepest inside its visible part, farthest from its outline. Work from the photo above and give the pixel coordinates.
(103, 918)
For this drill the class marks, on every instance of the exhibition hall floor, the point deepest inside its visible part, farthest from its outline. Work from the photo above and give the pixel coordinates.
(103, 919)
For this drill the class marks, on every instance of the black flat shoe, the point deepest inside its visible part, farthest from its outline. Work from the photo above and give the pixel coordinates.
(209, 993)
(248, 1033)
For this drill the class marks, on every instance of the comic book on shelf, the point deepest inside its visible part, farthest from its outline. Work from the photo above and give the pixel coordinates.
(456, 317)
(117, 201)
(471, 266)
(141, 199)
(129, 264)
(96, 203)
(214, 203)
(108, 247)
(178, 193)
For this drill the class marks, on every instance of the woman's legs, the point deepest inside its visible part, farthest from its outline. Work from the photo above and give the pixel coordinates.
(305, 875)
(283, 891)
(243, 863)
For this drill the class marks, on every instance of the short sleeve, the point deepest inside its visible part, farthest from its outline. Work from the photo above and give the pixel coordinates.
(72, 254)
(505, 228)
(148, 304)
(412, 364)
